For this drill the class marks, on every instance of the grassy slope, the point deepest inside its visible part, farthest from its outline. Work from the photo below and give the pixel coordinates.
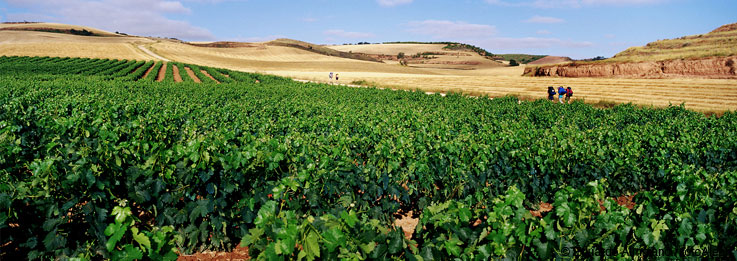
(720, 42)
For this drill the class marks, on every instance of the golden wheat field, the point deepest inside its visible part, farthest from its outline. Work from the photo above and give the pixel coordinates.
(488, 78)
(26, 26)
(28, 43)
(697, 94)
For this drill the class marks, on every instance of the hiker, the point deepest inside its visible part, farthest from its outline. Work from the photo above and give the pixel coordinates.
(331, 76)
(569, 93)
(551, 93)
(336, 77)
(561, 92)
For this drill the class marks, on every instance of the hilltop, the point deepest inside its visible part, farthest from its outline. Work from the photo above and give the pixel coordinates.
(550, 60)
(52, 39)
(720, 42)
(440, 55)
(521, 58)
(55, 28)
(710, 55)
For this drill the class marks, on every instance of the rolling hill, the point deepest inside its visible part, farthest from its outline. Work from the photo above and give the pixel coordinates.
(711, 55)
(424, 55)
(442, 71)
(56, 28)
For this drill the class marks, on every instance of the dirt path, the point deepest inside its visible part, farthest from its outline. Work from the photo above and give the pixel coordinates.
(192, 75)
(149, 52)
(162, 73)
(208, 75)
(148, 71)
(177, 76)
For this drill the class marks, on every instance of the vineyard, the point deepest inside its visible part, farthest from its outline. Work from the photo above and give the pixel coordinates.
(117, 159)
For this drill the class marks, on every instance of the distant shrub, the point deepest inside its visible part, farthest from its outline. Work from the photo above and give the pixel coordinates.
(400, 55)
(362, 82)
(513, 62)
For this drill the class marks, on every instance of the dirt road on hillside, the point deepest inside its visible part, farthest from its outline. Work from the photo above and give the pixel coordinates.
(149, 52)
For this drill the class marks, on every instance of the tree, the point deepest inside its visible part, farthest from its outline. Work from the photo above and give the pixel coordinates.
(513, 62)
(400, 55)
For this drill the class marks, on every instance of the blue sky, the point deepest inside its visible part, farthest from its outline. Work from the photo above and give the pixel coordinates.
(575, 28)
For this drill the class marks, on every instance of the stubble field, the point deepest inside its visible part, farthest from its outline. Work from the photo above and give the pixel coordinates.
(706, 95)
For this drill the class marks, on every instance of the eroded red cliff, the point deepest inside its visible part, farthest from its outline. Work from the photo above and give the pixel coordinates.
(711, 67)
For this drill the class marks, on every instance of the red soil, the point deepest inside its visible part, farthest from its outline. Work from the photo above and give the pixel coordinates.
(192, 75)
(177, 76)
(726, 28)
(709, 67)
(210, 76)
(148, 71)
(239, 253)
(162, 73)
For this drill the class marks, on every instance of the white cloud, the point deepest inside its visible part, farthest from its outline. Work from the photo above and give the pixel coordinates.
(500, 43)
(30, 17)
(543, 32)
(544, 20)
(213, 1)
(171, 7)
(572, 3)
(345, 34)
(393, 2)
(449, 30)
(255, 39)
(620, 2)
(137, 17)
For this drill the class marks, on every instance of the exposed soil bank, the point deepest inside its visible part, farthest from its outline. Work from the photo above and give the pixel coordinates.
(712, 68)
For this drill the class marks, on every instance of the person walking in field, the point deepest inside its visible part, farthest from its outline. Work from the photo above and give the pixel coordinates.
(569, 93)
(551, 93)
(330, 76)
(336, 77)
(561, 92)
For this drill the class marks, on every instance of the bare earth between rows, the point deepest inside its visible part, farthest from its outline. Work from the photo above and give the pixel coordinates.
(177, 76)
(192, 75)
(209, 76)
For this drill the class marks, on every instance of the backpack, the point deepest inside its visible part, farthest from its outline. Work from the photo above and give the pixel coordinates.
(561, 91)
(569, 92)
